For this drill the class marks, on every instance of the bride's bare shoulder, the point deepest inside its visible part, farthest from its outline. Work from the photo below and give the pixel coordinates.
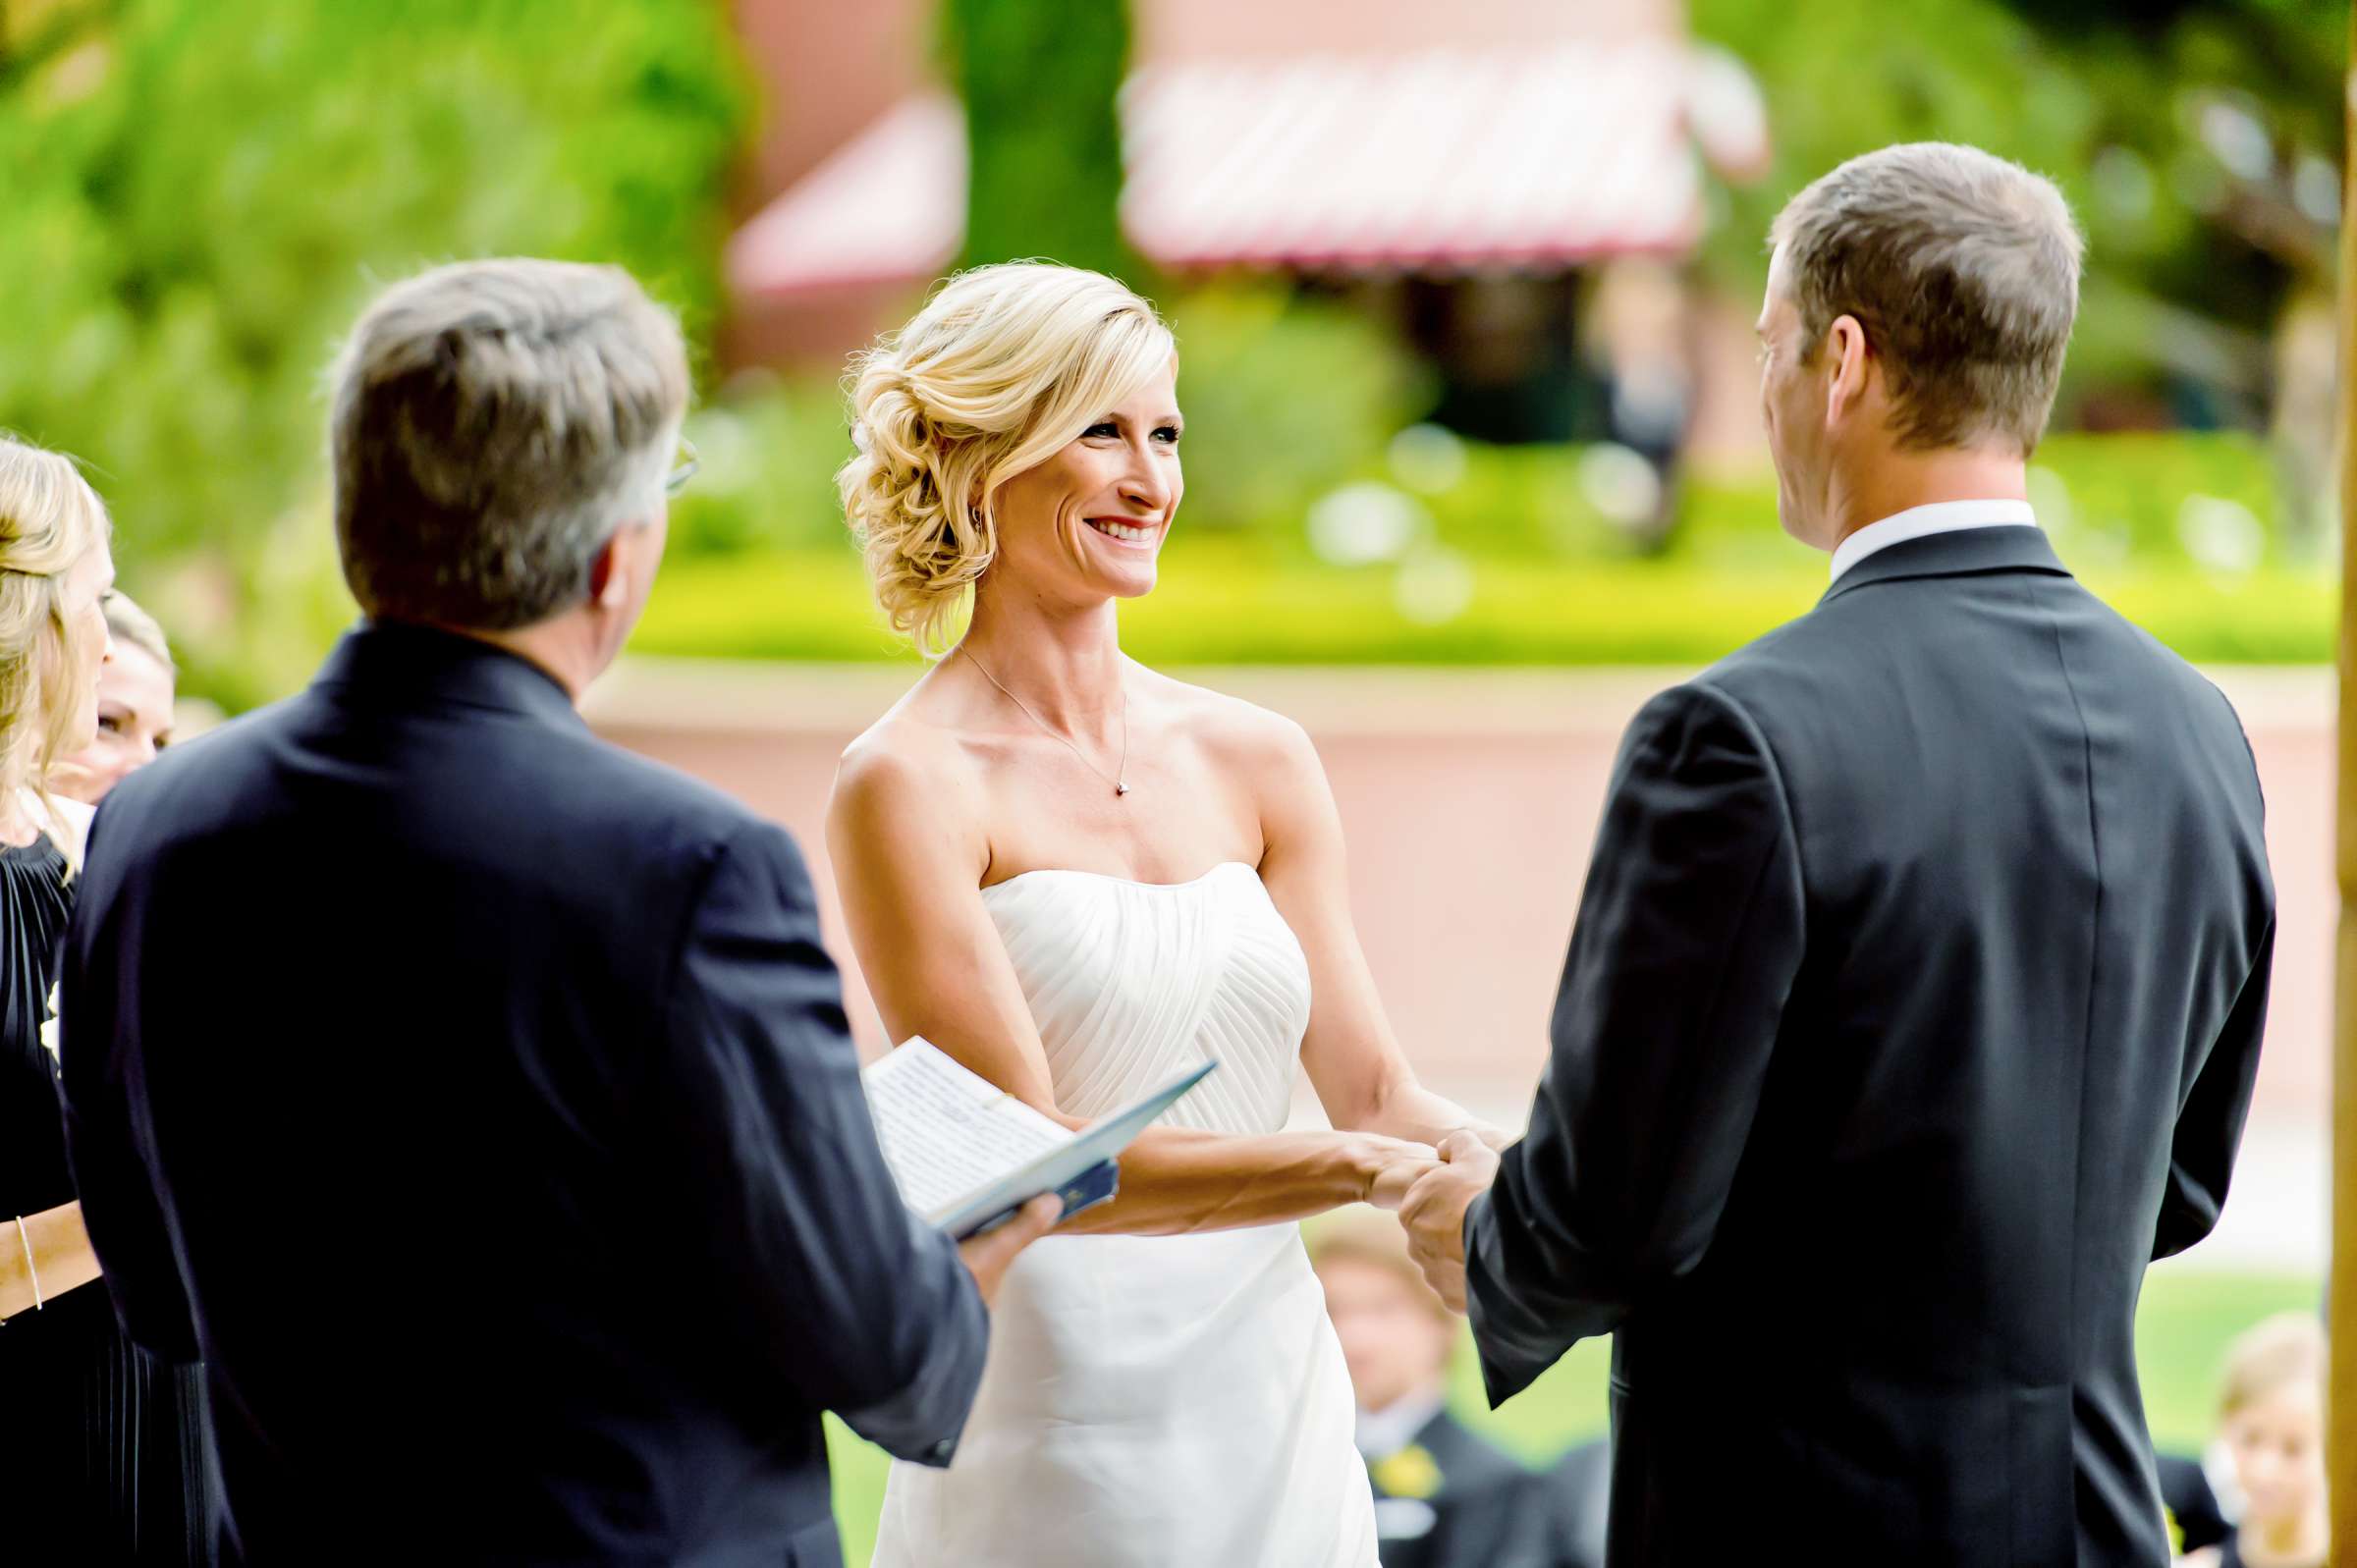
(906, 758)
(1237, 734)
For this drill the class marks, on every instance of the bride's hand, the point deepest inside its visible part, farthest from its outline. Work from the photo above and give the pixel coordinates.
(1388, 1166)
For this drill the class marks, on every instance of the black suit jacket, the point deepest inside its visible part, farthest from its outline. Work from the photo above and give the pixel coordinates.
(474, 1098)
(1913, 1006)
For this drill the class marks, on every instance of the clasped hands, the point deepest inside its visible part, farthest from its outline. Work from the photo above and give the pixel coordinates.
(1432, 1199)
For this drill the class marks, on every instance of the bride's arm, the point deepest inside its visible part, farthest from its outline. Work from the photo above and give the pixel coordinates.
(1353, 1059)
(42, 1257)
(909, 864)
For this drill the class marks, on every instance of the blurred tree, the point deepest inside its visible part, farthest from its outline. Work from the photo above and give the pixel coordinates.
(202, 192)
(1039, 80)
(2198, 142)
(2196, 139)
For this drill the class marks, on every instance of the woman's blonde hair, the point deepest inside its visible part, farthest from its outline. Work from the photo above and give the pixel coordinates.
(1004, 366)
(2285, 1351)
(132, 627)
(50, 519)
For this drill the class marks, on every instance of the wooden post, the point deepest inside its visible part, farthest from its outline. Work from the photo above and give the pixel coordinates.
(2341, 1440)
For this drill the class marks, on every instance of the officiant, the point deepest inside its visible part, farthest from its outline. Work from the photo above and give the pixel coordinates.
(1444, 1496)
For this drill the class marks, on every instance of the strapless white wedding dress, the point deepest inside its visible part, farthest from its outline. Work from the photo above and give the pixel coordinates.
(1153, 1401)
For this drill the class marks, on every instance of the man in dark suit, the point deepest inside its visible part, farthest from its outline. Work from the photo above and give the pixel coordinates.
(1916, 992)
(472, 1097)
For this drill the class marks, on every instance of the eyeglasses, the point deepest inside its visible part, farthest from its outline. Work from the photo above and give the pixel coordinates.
(683, 471)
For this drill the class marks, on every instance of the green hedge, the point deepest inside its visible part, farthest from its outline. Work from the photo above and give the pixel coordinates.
(1485, 555)
(1226, 602)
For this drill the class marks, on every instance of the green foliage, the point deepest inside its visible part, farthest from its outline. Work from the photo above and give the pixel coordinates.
(767, 479)
(2109, 102)
(1284, 397)
(201, 194)
(1040, 77)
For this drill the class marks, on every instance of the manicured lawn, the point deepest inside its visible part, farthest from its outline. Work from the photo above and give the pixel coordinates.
(2182, 1328)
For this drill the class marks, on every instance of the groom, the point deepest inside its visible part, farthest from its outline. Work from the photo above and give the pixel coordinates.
(471, 1096)
(1915, 996)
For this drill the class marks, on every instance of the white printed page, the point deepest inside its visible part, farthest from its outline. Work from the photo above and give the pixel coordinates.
(948, 1132)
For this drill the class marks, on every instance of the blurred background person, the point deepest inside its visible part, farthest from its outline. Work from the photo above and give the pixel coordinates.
(2272, 1420)
(101, 1456)
(1444, 1496)
(134, 706)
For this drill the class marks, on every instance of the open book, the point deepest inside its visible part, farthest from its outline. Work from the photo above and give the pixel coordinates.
(966, 1153)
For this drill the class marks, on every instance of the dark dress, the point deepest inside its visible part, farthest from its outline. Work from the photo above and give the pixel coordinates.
(101, 1454)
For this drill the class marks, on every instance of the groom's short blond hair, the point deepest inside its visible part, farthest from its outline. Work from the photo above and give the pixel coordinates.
(1962, 268)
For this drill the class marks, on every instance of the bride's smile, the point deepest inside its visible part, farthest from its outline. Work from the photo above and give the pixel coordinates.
(1145, 534)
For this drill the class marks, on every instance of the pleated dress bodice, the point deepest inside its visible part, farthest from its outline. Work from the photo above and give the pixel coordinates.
(1132, 983)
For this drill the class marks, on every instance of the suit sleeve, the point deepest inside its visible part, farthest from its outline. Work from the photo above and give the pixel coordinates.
(806, 1249)
(106, 1137)
(2201, 1154)
(1689, 936)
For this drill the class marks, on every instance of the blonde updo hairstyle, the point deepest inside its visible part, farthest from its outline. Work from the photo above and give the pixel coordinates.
(1000, 368)
(50, 519)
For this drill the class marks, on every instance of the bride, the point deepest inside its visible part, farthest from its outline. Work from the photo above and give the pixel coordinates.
(1077, 877)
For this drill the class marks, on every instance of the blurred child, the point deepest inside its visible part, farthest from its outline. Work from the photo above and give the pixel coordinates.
(1445, 1497)
(2272, 1417)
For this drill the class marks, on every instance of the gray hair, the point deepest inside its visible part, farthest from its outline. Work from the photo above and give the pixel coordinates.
(494, 423)
(1964, 271)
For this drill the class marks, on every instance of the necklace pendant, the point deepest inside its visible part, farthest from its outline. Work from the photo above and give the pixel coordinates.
(1120, 788)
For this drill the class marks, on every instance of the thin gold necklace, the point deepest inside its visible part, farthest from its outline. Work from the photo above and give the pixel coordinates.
(1118, 780)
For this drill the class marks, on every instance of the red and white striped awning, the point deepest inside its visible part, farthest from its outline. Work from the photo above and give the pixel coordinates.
(1439, 159)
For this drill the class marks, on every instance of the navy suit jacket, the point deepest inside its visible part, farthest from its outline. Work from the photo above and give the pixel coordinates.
(473, 1098)
(1913, 1006)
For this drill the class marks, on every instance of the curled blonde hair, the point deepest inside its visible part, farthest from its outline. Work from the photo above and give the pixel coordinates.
(1004, 366)
(50, 519)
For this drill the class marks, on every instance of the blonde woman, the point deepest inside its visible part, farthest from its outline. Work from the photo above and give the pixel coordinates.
(99, 1448)
(134, 707)
(1079, 877)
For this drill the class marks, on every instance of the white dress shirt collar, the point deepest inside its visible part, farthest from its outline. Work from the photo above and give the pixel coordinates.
(1916, 523)
(1383, 1432)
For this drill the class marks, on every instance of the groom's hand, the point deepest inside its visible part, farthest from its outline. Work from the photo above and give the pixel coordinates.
(989, 1255)
(1434, 1211)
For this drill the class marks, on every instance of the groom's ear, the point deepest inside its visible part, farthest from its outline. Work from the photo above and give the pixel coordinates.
(1848, 368)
